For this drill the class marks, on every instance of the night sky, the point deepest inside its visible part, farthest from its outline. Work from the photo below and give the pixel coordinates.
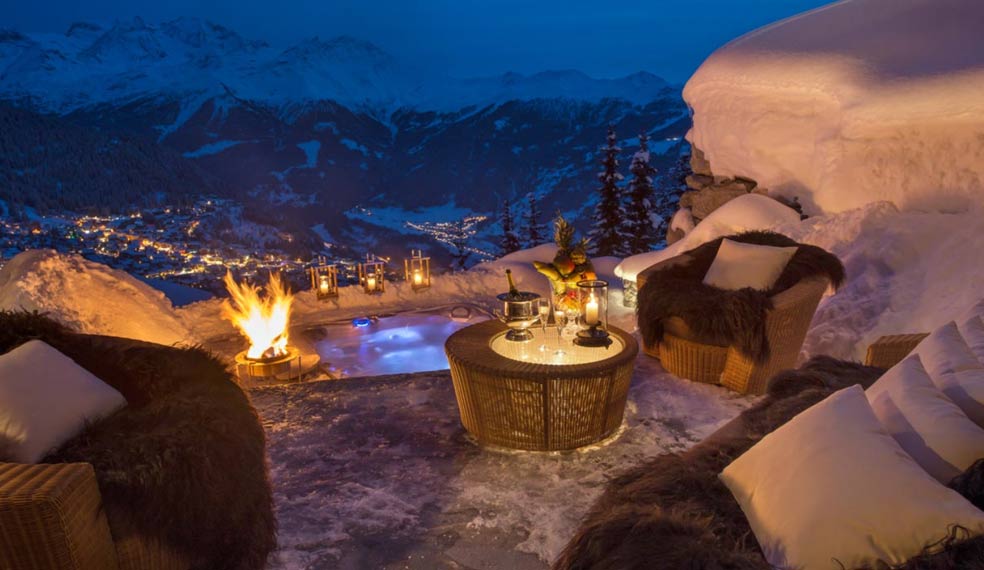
(466, 37)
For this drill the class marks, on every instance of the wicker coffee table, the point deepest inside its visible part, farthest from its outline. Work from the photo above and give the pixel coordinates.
(510, 394)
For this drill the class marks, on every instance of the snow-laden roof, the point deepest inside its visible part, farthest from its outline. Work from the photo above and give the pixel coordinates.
(858, 101)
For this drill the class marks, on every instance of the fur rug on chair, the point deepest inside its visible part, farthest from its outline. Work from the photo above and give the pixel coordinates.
(184, 461)
(673, 512)
(722, 317)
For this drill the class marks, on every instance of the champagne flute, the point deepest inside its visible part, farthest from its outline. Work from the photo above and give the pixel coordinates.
(545, 310)
(570, 331)
(560, 318)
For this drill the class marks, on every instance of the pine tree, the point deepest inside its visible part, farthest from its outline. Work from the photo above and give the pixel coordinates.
(458, 240)
(607, 232)
(672, 185)
(509, 242)
(532, 228)
(644, 223)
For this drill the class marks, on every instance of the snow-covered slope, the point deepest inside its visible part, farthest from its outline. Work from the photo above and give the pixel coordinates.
(89, 297)
(195, 60)
(852, 103)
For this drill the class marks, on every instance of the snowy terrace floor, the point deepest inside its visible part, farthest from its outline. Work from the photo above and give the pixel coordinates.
(378, 472)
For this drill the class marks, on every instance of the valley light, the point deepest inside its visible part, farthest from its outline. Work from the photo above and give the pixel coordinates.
(324, 280)
(371, 275)
(417, 270)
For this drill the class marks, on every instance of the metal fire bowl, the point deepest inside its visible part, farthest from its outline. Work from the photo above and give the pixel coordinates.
(291, 366)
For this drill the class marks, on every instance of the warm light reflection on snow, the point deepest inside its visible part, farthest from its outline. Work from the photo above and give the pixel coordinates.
(263, 320)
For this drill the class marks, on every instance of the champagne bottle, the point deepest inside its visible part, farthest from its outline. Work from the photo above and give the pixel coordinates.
(513, 291)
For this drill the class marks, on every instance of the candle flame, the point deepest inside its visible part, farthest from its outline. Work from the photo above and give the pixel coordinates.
(262, 320)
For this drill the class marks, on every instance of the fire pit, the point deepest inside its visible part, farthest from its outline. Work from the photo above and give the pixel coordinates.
(284, 368)
(264, 322)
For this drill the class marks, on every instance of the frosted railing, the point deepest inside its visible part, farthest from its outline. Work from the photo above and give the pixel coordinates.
(529, 351)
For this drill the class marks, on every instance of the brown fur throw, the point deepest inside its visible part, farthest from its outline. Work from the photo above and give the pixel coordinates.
(184, 461)
(718, 316)
(673, 512)
(970, 484)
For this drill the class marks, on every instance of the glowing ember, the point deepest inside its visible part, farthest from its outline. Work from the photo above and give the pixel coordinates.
(263, 320)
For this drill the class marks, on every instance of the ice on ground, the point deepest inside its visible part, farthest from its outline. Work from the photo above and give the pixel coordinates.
(89, 297)
(744, 213)
(852, 103)
(379, 473)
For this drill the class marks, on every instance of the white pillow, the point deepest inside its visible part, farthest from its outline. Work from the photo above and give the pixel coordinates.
(831, 489)
(45, 399)
(945, 351)
(930, 428)
(738, 265)
(972, 330)
(966, 390)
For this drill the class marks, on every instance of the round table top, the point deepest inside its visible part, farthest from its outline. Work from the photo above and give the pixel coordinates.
(484, 346)
(547, 347)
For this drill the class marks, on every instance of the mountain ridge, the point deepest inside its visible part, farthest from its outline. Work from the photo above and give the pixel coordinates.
(90, 64)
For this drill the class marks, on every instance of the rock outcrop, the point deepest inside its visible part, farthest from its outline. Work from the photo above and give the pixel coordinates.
(708, 192)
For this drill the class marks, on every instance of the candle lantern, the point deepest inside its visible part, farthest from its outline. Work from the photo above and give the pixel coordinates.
(324, 280)
(593, 320)
(417, 270)
(371, 276)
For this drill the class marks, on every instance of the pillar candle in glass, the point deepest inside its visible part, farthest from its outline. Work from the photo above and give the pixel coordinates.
(593, 302)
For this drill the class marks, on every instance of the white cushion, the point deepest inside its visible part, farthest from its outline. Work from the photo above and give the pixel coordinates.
(930, 428)
(945, 351)
(831, 489)
(739, 265)
(966, 390)
(45, 399)
(972, 330)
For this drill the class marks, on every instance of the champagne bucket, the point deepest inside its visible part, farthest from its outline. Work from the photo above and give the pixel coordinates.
(519, 312)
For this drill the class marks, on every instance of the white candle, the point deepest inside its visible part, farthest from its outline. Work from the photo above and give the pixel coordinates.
(371, 283)
(324, 284)
(417, 277)
(591, 311)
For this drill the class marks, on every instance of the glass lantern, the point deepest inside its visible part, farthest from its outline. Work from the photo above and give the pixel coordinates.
(371, 276)
(324, 280)
(592, 297)
(417, 270)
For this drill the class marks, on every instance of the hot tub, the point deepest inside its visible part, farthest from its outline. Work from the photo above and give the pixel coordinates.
(392, 344)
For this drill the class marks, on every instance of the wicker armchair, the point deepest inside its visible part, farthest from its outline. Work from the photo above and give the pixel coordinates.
(52, 518)
(887, 351)
(77, 515)
(685, 355)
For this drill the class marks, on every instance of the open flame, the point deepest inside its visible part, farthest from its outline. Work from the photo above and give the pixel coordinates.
(263, 320)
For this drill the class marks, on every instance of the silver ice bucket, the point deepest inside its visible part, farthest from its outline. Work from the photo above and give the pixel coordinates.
(519, 312)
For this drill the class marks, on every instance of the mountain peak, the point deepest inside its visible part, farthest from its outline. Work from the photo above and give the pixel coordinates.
(339, 48)
(78, 29)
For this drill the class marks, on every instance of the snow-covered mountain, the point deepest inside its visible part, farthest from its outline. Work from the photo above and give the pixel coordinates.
(135, 60)
(330, 125)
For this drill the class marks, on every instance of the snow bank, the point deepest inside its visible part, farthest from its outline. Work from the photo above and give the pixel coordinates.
(744, 213)
(89, 297)
(852, 103)
(906, 272)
